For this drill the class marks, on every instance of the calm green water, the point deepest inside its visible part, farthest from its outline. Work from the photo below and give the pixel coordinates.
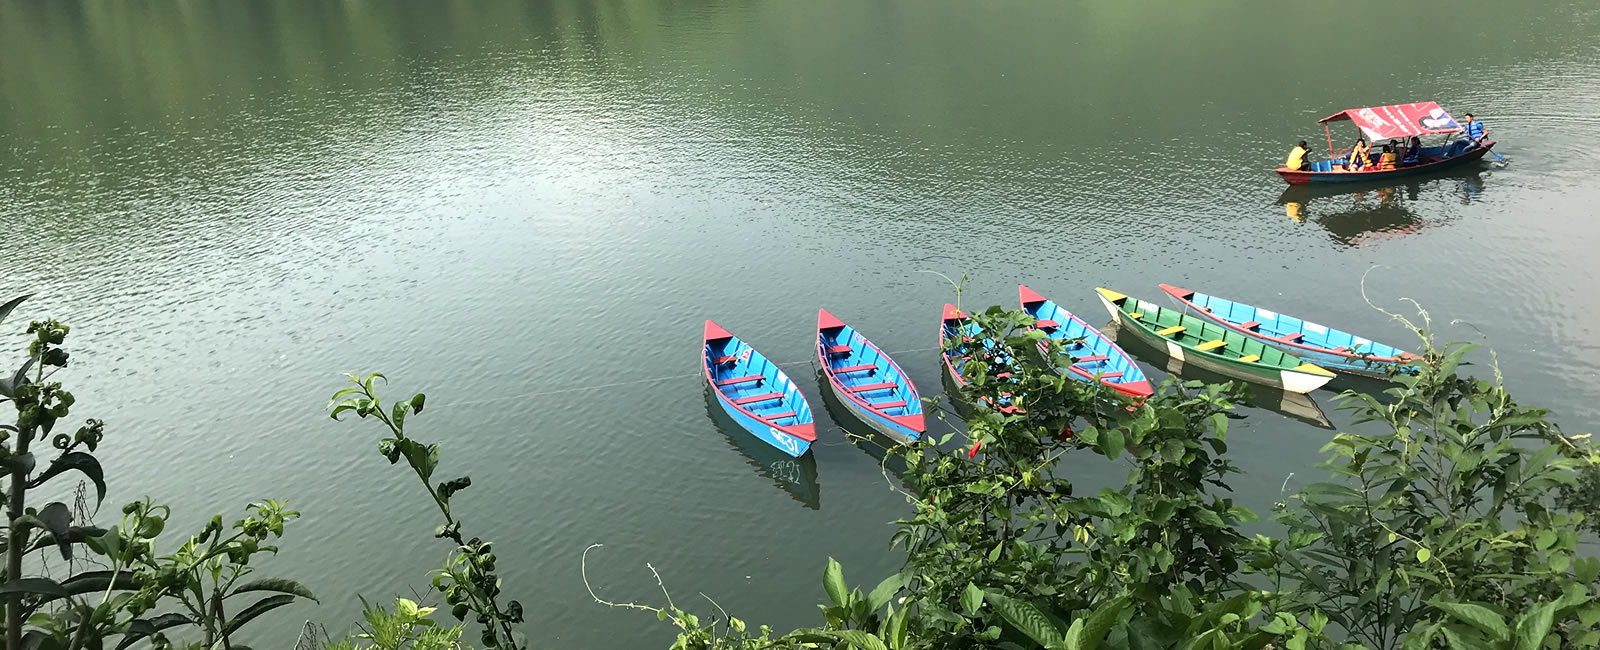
(527, 209)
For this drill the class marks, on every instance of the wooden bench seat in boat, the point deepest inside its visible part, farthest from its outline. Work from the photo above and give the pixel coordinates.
(871, 387)
(758, 398)
(739, 380)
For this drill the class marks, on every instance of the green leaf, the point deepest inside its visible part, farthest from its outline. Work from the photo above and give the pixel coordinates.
(1544, 539)
(141, 628)
(1206, 516)
(886, 590)
(833, 583)
(81, 462)
(1477, 616)
(1423, 554)
(1534, 625)
(971, 599)
(280, 585)
(58, 520)
(1586, 569)
(1112, 443)
(43, 586)
(862, 640)
(416, 402)
(1172, 450)
(1027, 619)
(896, 628)
(1094, 629)
(256, 609)
(5, 309)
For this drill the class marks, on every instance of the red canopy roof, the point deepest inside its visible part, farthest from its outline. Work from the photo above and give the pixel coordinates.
(1398, 121)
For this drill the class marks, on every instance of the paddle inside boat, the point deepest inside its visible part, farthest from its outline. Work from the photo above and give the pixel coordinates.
(867, 382)
(1325, 346)
(1396, 123)
(1195, 340)
(756, 393)
(1094, 357)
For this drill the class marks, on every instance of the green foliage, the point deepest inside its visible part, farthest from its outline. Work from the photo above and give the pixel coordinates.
(468, 579)
(1443, 525)
(141, 595)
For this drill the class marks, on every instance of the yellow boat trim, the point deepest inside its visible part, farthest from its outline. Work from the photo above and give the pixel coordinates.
(1314, 369)
(1250, 358)
(1170, 330)
(1111, 295)
(1211, 345)
(1135, 315)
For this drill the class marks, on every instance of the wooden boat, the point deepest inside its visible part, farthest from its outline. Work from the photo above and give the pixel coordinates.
(867, 382)
(1297, 406)
(1200, 342)
(954, 325)
(1325, 346)
(1396, 122)
(756, 394)
(1095, 356)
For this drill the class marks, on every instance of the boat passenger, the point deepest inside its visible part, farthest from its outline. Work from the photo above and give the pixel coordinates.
(1297, 157)
(1358, 155)
(1413, 152)
(1387, 160)
(1474, 130)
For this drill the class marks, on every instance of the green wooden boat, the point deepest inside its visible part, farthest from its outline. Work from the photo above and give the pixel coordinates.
(1203, 343)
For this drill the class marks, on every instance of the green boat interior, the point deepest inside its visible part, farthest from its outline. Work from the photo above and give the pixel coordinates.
(1203, 335)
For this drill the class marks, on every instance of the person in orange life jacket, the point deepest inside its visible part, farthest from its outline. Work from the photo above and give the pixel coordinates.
(1297, 157)
(1387, 159)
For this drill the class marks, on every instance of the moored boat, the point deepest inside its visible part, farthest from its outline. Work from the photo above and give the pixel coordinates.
(756, 393)
(1095, 357)
(1200, 342)
(1395, 122)
(955, 326)
(867, 382)
(1334, 349)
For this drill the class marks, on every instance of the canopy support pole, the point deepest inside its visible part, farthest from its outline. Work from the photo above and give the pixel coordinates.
(1326, 131)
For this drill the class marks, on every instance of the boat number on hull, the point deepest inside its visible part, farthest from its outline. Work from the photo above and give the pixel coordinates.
(785, 440)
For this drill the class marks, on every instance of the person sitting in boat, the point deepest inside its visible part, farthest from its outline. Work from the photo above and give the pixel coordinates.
(1358, 155)
(1387, 159)
(1474, 130)
(1413, 152)
(1297, 157)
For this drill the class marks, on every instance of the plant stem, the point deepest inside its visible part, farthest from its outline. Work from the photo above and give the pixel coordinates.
(15, 547)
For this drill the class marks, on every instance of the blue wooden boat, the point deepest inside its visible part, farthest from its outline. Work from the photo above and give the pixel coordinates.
(954, 326)
(1095, 357)
(867, 382)
(1327, 347)
(756, 394)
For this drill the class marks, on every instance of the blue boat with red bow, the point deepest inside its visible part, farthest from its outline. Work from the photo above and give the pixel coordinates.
(756, 393)
(867, 382)
(1094, 356)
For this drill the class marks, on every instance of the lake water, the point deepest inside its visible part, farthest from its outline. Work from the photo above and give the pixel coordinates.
(527, 210)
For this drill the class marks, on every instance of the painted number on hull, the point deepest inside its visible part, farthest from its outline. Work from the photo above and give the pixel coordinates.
(785, 440)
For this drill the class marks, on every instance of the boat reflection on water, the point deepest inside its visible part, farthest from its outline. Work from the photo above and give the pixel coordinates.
(1354, 217)
(876, 444)
(797, 476)
(1299, 406)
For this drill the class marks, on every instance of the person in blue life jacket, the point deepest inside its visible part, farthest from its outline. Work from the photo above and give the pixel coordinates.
(1474, 131)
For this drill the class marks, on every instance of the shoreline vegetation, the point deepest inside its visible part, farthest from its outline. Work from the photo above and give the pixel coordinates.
(1457, 521)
